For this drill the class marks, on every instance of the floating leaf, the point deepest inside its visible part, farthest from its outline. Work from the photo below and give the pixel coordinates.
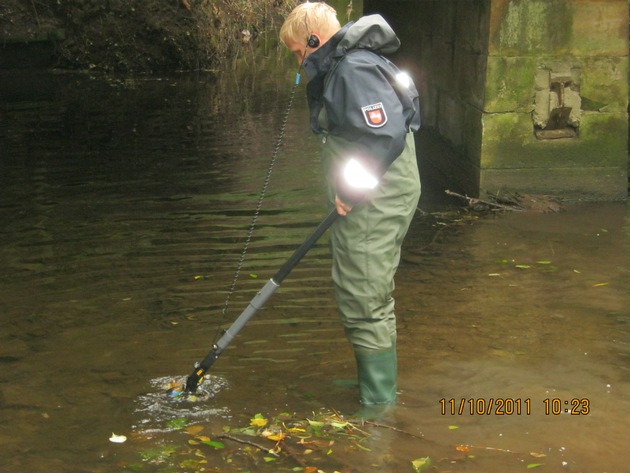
(214, 444)
(339, 425)
(315, 423)
(296, 430)
(534, 465)
(537, 455)
(453, 427)
(192, 464)
(522, 266)
(258, 421)
(365, 449)
(117, 438)
(462, 448)
(543, 262)
(600, 284)
(253, 276)
(177, 424)
(420, 464)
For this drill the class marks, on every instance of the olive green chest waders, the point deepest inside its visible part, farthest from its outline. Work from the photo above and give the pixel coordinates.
(366, 251)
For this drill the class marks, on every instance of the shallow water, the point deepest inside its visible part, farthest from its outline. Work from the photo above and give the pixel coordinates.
(124, 206)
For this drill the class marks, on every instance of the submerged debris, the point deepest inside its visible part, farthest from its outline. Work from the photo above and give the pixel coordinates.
(513, 201)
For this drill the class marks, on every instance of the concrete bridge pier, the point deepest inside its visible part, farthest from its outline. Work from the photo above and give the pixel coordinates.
(530, 96)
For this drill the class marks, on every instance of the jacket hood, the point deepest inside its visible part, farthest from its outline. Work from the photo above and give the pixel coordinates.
(370, 32)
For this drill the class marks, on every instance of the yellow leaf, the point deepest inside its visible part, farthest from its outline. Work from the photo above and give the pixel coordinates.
(203, 438)
(258, 422)
(296, 430)
(276, 437)
(420, 464)
(600, 284)
(537, 455)
(194, 429)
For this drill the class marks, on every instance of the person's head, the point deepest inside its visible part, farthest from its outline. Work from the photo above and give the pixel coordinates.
(307, 27)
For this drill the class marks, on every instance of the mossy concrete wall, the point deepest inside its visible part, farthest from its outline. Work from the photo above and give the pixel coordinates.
(478, 66)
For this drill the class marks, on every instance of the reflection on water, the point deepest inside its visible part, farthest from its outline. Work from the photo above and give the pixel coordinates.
(123, 210)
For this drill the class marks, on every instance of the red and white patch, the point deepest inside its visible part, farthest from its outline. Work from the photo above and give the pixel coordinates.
(374, 115)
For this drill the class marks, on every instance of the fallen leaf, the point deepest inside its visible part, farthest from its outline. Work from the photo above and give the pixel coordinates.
(462, 448)
(214, 444)
(600, 284)
(315, 423)
(117, 438)
(194, 429)
(453, 427)
(258, 421)
(537, 455)
(534, 465)
(420, 464)
(296, 430)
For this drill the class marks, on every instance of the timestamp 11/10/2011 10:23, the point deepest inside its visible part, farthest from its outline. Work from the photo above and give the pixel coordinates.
(513, 406)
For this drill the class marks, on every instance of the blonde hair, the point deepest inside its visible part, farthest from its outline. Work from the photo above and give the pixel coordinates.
(308, 18)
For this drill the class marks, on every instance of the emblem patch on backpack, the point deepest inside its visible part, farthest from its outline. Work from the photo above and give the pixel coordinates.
(374, 115)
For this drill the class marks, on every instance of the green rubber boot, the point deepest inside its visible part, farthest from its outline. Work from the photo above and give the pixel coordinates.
(377, 372)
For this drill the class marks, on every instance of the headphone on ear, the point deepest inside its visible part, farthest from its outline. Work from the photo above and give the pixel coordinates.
(313, 41)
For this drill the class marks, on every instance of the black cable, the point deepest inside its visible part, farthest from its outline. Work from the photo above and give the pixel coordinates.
(259, 204)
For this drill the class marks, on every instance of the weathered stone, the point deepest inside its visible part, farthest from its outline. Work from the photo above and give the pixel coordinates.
(534, 92)
(509, 84)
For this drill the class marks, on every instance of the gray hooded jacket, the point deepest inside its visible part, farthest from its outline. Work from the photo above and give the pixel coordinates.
(364, 101)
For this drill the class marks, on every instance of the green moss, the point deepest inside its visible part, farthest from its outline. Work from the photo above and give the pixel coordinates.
(510, 84)
(509, 142)
(533, 27)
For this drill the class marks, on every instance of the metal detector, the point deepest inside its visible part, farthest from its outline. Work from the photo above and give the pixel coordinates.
(196, 377)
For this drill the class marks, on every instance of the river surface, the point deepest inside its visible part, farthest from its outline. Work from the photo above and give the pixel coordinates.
(124, 208)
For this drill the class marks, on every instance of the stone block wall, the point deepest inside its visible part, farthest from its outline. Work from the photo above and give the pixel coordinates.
(530, 94)
(549, 57)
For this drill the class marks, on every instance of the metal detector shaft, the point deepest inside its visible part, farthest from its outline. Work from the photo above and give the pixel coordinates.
(259, 300)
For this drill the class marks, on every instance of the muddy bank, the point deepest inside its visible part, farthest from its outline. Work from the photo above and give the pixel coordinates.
(133, 37)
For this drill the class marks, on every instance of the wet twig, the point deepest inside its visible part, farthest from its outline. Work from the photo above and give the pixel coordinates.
(248, 442)
(391, 427)
(475, 201)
